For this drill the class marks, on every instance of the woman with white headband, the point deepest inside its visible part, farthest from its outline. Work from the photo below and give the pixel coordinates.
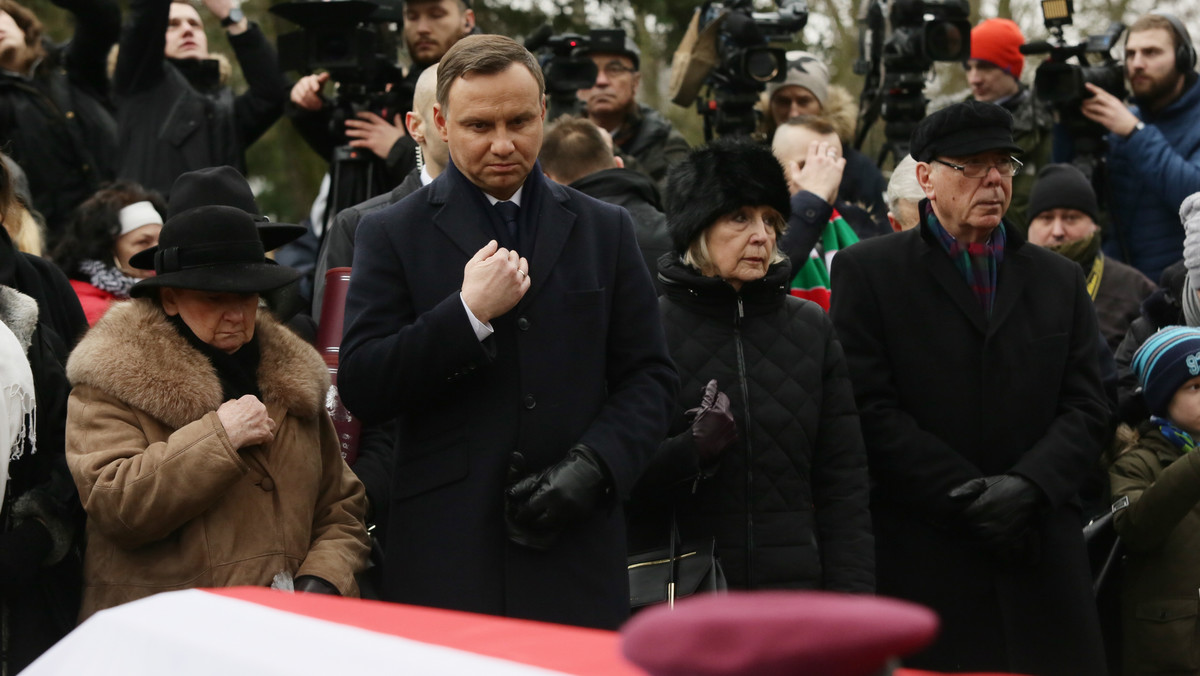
(105, 231)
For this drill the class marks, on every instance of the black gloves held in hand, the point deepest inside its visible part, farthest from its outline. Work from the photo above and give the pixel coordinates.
(1000, 512)
(713, 428)
(539, 507)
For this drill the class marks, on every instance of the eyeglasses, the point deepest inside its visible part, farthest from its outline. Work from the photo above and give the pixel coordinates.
(1008, 167)
(616, 69)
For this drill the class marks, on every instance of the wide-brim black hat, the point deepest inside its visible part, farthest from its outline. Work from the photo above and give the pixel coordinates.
(210, 248)
(225, 186)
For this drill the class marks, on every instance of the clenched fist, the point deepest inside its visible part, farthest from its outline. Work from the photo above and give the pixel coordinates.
(246, 422)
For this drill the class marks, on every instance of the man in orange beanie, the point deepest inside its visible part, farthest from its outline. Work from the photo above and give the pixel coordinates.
(994, 75)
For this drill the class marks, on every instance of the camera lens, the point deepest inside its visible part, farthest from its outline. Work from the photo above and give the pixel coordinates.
(947, 41)
(761, 65)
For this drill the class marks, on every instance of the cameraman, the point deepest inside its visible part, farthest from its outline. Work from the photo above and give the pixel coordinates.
(55, 117)
(644, 138)
(1153, 149)
(430, 28)
(994, 75)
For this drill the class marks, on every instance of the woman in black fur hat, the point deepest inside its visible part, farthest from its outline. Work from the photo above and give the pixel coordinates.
(766, 455)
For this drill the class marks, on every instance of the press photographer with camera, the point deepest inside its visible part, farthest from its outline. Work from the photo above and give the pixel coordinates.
(643, 136)
(994, 75)
(1153, 148)
(175, 111)
(430, 28)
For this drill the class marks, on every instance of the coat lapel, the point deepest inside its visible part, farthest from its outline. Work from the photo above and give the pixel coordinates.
(554, 225)
(951, 281)
(455, 204)
(1011, 280)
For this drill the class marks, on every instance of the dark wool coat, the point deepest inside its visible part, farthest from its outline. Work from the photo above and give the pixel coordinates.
(58, 125)
(581, 359)
(1161, 533)
(946, 395)
(639, 195)
(788, 503)
(1119, 300)
(175, 116)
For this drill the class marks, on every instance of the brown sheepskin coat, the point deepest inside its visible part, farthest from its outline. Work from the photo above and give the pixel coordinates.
(170, 503)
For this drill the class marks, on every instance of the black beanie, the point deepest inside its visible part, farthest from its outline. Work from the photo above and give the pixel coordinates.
(1062, 186)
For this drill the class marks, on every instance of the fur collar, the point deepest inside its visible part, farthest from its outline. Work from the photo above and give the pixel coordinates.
(20, 314)
(134, 354)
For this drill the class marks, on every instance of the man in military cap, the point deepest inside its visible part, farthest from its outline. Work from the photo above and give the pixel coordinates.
(973, 357)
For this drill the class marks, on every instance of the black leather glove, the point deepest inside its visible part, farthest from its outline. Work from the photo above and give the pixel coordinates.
(540, 506)
(713, 427)
(314, 585)
(999, 512)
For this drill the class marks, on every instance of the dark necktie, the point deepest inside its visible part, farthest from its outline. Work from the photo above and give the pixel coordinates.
(508, 214)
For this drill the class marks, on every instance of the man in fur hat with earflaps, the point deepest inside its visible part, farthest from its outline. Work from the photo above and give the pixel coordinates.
(197, 433)
(973, 356)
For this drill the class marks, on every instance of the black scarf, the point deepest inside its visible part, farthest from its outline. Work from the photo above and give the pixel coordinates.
(238, 372)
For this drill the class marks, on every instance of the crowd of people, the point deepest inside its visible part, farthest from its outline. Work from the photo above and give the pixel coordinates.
(570, 340)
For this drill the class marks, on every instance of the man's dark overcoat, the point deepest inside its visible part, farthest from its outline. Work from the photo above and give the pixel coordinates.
(581, 359)
(945, 395)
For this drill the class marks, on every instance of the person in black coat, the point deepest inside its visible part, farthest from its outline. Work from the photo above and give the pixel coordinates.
(56, 118)
(982, 410)
(175, 113)
(41, 519)
(578, 153)
(528, 390)
(773, 466)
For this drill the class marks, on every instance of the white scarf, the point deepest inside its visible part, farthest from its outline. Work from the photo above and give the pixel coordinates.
(17, 404)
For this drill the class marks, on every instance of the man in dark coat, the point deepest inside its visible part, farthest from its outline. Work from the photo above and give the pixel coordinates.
(175, 113)
(528, 390)
(982, 411)
(578, 153)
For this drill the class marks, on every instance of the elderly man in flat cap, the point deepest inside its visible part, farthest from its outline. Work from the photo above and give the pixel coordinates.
(973, 357)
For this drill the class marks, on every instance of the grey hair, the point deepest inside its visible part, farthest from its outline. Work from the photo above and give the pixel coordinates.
(903, 184)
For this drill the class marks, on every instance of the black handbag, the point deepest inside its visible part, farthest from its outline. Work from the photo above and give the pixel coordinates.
(1104, 552)
(681, 569)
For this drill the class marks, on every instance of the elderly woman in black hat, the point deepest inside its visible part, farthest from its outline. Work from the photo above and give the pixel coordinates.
(766, 454)
(197, 433)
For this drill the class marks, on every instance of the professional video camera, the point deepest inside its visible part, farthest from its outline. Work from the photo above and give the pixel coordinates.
(1062, 84)
(746, 61)
(356, 41)
(565, 64)
(899, 41)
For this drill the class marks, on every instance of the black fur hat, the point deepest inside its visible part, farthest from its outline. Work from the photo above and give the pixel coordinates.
(717, 179)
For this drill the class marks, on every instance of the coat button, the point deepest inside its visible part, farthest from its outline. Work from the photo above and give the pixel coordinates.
(530, 402)
(267, 484)
(523, 324)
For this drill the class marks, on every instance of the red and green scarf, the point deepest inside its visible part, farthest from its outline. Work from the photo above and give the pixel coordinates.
(811, 281)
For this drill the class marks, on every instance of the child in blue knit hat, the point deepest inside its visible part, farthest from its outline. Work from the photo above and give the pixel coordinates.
(1156, 486)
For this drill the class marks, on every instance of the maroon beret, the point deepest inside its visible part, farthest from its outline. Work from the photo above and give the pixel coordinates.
(777, 634)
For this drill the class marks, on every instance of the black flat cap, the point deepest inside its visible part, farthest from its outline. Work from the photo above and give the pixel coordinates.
(963, 129)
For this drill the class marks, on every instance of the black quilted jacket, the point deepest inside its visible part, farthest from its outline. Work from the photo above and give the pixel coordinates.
(788, 502)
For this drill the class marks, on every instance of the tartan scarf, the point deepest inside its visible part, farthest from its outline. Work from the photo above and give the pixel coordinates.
(811, 281)
(979, 263)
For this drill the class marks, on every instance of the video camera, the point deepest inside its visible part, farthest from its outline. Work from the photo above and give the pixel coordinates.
(355, 40)
(566, 66)
(746, 61)
(899, 42)
(1061, 84)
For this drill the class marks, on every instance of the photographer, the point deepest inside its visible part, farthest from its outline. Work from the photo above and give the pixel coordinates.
(175, 112)
(643, 137)
(1154, 149)
(430, 28)
(994, 75)
(55, 116)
